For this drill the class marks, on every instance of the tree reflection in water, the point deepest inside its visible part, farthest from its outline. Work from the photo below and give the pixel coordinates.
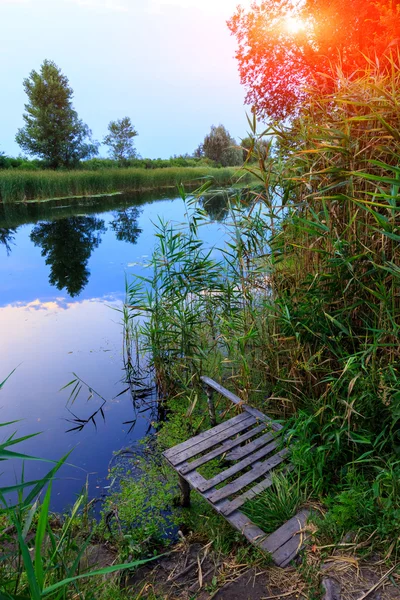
(216, 205)
(7, 237)
(125, 224)
(67, 245)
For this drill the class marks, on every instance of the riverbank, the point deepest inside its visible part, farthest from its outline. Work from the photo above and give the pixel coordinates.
(23, 186)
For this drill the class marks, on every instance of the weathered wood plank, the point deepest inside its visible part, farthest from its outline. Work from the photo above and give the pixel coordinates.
(240, 500)
(238, 453)
(236, 400)
(290, 549)
(204, 435)
(285, 533)
(226, 445)
(246, 462)
(251, 532)
(221, 390)
(251, 493)
(249, 477)
(211, 441)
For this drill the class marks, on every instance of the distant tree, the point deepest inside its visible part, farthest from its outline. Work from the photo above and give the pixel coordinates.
(67, 245)
(120, 139)
(52, 128)
(199, 152)
(221, 147)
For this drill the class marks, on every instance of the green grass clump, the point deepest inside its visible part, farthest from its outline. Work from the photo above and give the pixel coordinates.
(277, 504)
(19, 186)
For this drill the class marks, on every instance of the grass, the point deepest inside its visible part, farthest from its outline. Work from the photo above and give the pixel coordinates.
(277, 504)
(20, 186)
(41, 556)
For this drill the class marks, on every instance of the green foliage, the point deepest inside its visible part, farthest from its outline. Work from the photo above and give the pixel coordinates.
(120, 140)
(52, 128)
(41, 556)
(300, 315)
(280, 66)
(17, 186)
(278, 503)
(220, 147)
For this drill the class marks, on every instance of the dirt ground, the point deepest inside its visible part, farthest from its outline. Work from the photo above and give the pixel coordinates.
(192, 571)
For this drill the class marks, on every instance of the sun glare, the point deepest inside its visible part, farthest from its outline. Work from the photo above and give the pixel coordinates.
(294, 24)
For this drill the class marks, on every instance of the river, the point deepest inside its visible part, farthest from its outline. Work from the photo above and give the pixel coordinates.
(62, 273)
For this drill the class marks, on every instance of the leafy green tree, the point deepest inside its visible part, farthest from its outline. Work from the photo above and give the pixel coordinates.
(221, 147)
(286, 47)
(52, 128)
(120, 139)
(67, 245)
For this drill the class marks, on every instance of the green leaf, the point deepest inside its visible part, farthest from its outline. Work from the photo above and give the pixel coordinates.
(40, 533)
(104, 571)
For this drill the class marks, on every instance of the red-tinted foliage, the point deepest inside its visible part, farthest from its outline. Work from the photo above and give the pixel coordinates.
(276, 66)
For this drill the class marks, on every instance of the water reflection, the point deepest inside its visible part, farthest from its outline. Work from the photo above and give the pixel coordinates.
(125, 224)
(67, 245)
(216, 205)
(7, 236)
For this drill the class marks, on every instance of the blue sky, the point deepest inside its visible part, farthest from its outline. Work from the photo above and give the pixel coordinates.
(167, 64)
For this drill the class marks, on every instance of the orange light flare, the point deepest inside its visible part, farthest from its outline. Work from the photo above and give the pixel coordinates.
(293, 25)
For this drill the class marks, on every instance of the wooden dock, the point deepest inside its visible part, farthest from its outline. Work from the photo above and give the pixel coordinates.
(251, 442)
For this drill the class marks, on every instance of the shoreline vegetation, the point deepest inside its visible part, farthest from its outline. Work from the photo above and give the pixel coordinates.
(25, 186)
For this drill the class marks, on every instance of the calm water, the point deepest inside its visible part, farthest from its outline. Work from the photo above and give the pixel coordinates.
(62, 271)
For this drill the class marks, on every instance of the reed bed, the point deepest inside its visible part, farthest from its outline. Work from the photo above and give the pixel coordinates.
(301, 316)
(20, 186)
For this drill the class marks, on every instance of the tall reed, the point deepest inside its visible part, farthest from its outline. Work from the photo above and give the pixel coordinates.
(19, 186)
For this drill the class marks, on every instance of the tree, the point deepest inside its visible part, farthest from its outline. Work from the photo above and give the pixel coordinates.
(120, 139)
(284, 46)
(219, 146)
(52, 128)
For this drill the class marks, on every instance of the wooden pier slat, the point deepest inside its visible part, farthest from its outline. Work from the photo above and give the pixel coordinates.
(238, 453)
(225, 446)
(247, 478)
(236, 400)
(236, 440)
(286, 532)
(246, 462)
(254, 491)
(211, 441)
(205, 435)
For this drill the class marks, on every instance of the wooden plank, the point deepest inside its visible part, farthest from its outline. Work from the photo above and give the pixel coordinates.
(238, 453)
(236, 400)
(249, 477)
(290, 549)
(251, 532)
(204, 435)
(246, 462)
(259, 415)
(254, 491)
(227, 445)
(211, 441)
(285, 533)
(221, 390)
(240, 500)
